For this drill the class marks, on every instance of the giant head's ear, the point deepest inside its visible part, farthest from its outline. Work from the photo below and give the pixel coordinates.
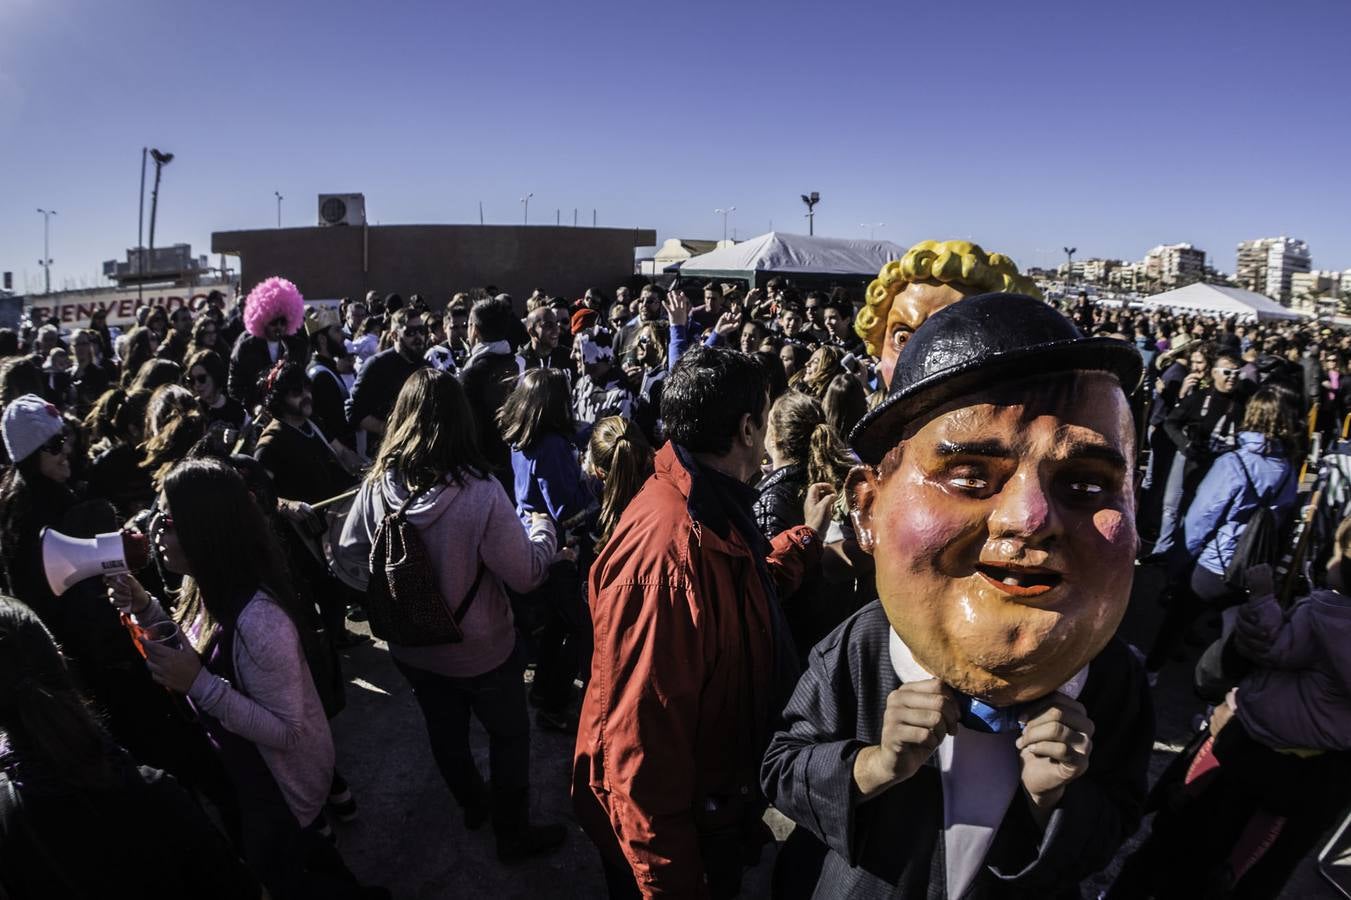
(860, 489)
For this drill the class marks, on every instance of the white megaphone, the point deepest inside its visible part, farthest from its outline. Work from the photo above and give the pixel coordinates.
(68, 561)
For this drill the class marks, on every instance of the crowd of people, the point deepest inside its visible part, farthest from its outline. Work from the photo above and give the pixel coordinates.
(688, 514)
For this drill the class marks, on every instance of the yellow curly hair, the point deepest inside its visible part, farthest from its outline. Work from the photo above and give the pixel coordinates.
(948, 262)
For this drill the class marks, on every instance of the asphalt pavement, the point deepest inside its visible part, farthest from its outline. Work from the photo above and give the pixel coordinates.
(409, 836)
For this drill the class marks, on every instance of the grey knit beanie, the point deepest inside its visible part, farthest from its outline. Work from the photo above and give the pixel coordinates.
(28, 423)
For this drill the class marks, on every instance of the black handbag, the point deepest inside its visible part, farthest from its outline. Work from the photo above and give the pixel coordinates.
(403, 599)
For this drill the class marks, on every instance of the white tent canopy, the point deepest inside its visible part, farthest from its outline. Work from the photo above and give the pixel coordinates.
(1225, 302)
(793, 254)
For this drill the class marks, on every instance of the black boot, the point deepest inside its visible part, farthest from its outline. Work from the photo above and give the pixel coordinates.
(517, 839)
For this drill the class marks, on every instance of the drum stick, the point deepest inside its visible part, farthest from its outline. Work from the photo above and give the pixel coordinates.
(338, 499)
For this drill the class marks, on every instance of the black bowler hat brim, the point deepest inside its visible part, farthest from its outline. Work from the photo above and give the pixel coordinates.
(880, 430)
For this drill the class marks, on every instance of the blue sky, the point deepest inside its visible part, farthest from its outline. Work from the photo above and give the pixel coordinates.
(1026, 126)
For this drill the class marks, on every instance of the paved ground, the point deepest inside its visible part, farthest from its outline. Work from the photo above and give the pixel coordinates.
(409, 836)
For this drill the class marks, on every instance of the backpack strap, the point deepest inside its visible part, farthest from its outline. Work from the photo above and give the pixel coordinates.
(468, 600)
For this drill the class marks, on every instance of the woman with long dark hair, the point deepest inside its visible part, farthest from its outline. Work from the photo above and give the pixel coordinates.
(430, 466)
(205, 376)
(240, 657)
(117, 425)
(844, 402)
(138, 348)
(537, 423)
(71, 799)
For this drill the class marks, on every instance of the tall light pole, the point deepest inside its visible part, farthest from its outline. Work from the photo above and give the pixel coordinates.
(1069, 263)
(140, 232)
(161, 160)
(725, 213)
(280, 198)
(525, 207)
(872, 227)
(46, 261)
(811, 200)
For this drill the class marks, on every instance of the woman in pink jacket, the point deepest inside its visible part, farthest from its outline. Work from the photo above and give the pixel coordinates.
(476, 548)
(240, 660)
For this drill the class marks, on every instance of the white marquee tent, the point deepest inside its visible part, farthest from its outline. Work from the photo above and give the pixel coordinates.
(792, 254)
(1216, 300)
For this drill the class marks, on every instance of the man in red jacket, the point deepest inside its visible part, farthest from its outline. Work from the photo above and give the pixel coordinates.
(692, 658)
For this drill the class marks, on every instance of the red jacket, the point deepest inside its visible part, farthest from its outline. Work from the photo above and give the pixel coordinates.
(671, 732)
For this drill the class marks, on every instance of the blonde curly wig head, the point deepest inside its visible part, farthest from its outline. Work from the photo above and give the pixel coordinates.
(958, 263)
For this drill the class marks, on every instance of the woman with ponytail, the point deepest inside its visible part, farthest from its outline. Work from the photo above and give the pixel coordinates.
(803, 450)
(71, 799)
(620, 458)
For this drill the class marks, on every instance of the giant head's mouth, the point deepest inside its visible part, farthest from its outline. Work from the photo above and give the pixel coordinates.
(1020, 581)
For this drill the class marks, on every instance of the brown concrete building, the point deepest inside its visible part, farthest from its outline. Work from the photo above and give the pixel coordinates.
(436, 260)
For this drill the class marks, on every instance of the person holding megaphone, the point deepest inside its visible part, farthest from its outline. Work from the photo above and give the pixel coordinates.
(240, 659)
(39, 514)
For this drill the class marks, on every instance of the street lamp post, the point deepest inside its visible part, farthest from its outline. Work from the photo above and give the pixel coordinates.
(280, 198)
(525, 207)
(725, 213)
(811, 200)
(161, 160)
(872, 227)
(46, 261)
(1069, 263)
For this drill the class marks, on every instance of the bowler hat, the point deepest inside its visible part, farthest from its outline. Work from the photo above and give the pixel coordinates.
(977, 343)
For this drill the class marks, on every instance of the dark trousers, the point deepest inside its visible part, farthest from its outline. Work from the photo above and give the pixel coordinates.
(565, 641)
(1204, 591)
(497, 699)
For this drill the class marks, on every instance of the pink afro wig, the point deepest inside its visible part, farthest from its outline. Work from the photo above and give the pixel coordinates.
(274, 297)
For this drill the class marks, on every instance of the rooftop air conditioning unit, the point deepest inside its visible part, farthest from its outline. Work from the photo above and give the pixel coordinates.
(342, 209)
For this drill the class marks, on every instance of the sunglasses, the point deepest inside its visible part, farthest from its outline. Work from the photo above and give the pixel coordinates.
(415, 330)
(1227, 373)
(56, 446)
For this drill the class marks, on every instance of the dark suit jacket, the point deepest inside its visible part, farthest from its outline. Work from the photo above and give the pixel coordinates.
(488, 380)
(249, 361)
(892, 845)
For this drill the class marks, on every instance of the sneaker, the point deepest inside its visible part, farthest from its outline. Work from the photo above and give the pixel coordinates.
(342, 806)
(533, 840)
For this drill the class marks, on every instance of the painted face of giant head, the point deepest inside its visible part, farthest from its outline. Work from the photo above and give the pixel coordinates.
(911, 307)
(1003, 529)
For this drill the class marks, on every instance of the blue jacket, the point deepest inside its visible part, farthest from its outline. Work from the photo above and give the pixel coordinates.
(1224, 503)
(549, 479)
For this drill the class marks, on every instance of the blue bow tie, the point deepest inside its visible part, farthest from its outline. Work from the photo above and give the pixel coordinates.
(988, 719)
